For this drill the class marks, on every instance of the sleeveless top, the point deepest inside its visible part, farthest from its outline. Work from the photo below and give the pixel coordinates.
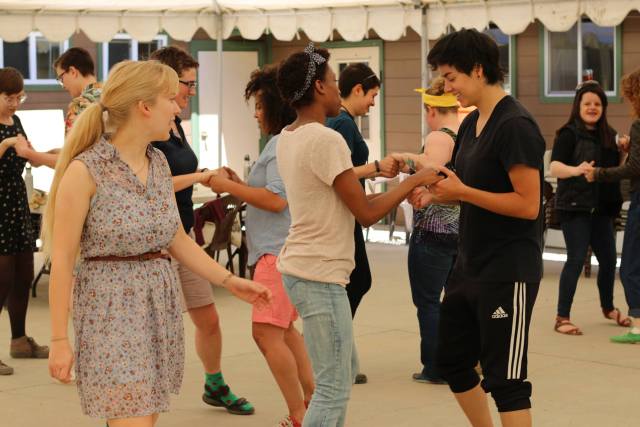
(436, 222)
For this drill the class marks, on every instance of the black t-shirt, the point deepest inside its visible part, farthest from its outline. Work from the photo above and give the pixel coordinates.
(346, 126)
(494, 247)
(182, 160)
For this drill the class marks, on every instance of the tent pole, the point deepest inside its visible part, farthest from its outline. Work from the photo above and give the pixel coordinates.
(424, 67)
(219, 51)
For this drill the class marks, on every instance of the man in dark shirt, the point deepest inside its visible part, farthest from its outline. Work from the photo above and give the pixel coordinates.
(488, 301)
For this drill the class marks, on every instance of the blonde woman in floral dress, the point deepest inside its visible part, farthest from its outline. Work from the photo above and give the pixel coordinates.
(112, 200)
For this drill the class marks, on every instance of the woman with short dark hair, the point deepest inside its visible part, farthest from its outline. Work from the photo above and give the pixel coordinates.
(17, 237)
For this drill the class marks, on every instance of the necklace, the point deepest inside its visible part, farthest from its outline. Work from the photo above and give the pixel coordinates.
(144, 163)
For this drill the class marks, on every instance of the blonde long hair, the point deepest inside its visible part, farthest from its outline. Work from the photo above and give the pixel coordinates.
(129, 82)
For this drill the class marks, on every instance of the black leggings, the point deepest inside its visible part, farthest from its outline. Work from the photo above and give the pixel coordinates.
(16, 275)
(360, 279)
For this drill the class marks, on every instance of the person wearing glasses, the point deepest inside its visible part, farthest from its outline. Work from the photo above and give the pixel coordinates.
(75, 71)
(587, 210)
(196, 290)
(17, 237)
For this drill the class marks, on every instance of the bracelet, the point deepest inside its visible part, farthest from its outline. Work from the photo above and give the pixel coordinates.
(58, 339)
(377, 163)
(204, 170)
(224, 281)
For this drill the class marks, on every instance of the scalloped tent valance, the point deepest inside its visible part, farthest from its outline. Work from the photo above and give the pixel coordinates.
(102, 19)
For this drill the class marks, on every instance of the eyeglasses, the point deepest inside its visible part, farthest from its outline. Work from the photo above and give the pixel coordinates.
(59, 78)
(190, 84)
(15, 99)
(587, 83)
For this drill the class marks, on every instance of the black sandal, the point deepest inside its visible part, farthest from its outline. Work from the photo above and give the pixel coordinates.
(214, 398)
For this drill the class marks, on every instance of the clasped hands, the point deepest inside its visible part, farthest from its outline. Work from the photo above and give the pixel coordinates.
(218, 179)
(19, 143)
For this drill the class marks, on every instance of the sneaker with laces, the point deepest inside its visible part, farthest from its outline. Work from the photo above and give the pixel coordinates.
(5, 369)
(289, 422)
(27, 348)
(628, 338)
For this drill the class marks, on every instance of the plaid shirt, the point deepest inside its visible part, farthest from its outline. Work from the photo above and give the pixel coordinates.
(90, 95)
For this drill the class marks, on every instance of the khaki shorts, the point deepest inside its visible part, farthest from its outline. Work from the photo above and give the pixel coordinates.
(196, 291)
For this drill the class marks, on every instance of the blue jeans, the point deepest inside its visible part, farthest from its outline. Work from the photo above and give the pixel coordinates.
(429, 266)
(328, 336)
(579, 232)
(630, 265)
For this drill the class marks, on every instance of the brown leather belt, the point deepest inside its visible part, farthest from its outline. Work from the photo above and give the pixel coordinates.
(143, 257)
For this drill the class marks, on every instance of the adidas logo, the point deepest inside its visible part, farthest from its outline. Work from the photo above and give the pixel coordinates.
(499, 314)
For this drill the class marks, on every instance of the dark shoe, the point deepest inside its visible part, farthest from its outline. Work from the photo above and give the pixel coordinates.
(215, 398)
(360, 379)
(5, 369)
(27, 348)
(422, 378)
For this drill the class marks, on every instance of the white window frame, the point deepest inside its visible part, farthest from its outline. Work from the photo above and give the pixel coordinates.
(510, 61)
(33, 57)
(133, 51)
(547, 72)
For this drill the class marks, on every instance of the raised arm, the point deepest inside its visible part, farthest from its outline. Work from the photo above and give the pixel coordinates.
(189, 254)
(369, 210)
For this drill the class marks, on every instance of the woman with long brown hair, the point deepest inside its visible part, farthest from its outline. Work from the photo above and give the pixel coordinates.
(586, 210)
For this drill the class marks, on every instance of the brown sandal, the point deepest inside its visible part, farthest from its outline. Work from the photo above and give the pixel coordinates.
(624, 322)
(566, 322)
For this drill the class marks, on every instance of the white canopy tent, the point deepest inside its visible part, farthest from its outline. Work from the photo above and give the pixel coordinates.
(100, 20)
(143, 19)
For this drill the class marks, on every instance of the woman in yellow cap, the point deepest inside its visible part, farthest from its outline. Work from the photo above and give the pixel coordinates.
(432, 249)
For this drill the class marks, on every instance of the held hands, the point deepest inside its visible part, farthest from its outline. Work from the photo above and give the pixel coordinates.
(10, 142)
(250, 291)
(389, 167)
(449, 188)
(206, 176)
(233, 176)
(23, 147)
(420, 197)
(61, 360)
(585, 168)
(624, 142)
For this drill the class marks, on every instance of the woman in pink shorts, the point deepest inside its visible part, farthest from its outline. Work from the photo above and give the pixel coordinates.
(267, 224)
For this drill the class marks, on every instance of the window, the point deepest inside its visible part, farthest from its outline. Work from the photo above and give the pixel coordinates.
(123, 47)
(504, 46)
(33, 57)
(585, 52)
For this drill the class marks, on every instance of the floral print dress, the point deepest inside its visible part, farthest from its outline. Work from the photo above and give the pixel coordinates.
(127, 314)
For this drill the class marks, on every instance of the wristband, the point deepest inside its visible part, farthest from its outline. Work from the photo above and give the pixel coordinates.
(377, 163)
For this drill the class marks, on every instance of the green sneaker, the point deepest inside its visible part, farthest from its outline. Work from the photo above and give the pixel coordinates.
(628, 338)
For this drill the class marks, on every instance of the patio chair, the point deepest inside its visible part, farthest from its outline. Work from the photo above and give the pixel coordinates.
(222, 241)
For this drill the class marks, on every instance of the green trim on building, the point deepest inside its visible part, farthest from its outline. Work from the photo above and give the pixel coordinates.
(568, 99)
(227, 46)
(513, 65)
